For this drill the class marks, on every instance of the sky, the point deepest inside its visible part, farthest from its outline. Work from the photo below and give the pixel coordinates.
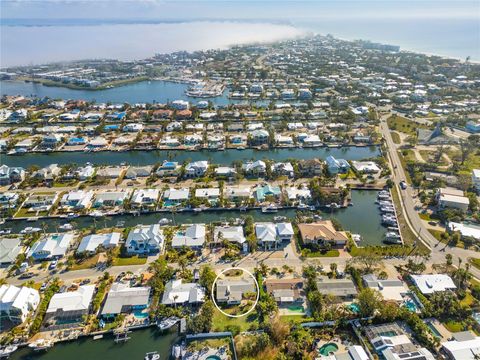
(245, 9)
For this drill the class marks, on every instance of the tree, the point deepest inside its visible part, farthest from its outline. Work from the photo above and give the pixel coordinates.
(449, 260)
(317, 304)
(207, 277)
(368, 301)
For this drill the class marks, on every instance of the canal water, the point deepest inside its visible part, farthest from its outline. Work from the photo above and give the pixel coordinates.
(362, 218)
(141, 342)
(226, 157)
(158, 91)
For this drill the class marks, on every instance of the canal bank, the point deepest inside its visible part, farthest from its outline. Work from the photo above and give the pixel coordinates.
(362, 218)
(226, 157)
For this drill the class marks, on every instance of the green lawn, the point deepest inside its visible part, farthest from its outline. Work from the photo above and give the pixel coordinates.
(396, 137)
(85, 264)
(399, 123)
(454, 326)
(23, 212)
(221, 322)
(131, 260)
(295, 319)
(330, 253)
(475, 262)
(382, 250)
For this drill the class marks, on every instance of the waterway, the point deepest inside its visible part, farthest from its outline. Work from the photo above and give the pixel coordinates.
(362, 218)
(141, 342)
(226, 157)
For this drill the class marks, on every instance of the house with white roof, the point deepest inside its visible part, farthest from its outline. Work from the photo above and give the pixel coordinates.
(476, 179)
(145, 240)
(123, 299)
(391, 289)
(109, 199)
(192, 237)
(53, 246)
(302, 194)
(211, 194)
(77, 199)
(85, 172)
(169, 168)
(196, 169)
(463, 346)
(10, 248)
(270, 235)
(283, 168)
(173, 197)
(239, 192)
(145, 197)
(452, 198)
(336, 166)
(466, 229)
(178, 293)
(255, 168)
(430, 283)
(16, 303)
(91, 243)
(232, 234)
(369, 167)
(71, 305)
(225, 171)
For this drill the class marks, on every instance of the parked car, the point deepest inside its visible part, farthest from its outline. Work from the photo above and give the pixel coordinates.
(403, 184)
(53, 265)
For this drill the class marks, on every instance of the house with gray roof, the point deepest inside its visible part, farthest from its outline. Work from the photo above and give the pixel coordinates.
(343, 289)
(178, 293)
(123, 299)
(231, 291)
(192, 237)
(10, 248)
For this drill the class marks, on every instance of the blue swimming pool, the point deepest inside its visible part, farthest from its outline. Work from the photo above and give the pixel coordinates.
(433, 329)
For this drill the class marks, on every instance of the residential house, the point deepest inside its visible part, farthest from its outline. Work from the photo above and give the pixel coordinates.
(225, 172)
(431, 283)
(174, 197)
(40, 202)
(368, 167)
(17, 303)
(336, 166)
(10, 248)
(211, 194)
(70, 306)
(310, 168)
(259, 137)
(322, 232)
(123, 299)
(178, 293)
(464, 345)
(270, 235)
(9, 200)
(196, 169)
(283, 169)
(452, 198)
(110, 172)
(233, 234)
(286, 291)
(255, 168)
(343, 289)
(192, 237)
(302, 194)
(232, 291)
(110, 199)
(77, 199)
(169, 168)
(262, 192)
(10, 175)
(467, 230)
(390, 289)
(145, 197)
(145, 240)
(90, 243)
(48, 173)
(240, 192)
(476, 179)
(134, 172)
(53, 246)
(85, 172)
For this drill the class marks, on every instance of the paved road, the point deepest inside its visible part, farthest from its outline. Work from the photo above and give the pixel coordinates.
(416, 224)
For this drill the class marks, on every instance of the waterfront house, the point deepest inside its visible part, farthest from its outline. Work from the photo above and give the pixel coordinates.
(178, 293)
(286, 291)
(196, 169)
(17, 116)
(193, 140)
(312, 140)
(145, 197)
(283, 169)
(232, 291)
(431, 283)
(10, 175)
(210, 194)
(368, 167)
(311, 167)
(23, 145)
(51, 141)
(239, 139)
(90, 243)
(145, 240)
(240, 192)
(270, 235)
(53, 246)
(262, 192)
(193, 236)
(110, 172)
(233, 234)
(40, 202)
(123, 299)
(225, 171)
(255, 168)
(343, 289)
(174, 126)
(322, 232)
(169, 168)
(170, 141)
(8, 200)
(283, 140)
(134, 172)
(97, 143)
(10, 248)
(174, 197)
(298, 194)
(17, 303)
(452, 198)
(69, 307)
(132, 127)
(109, 199)
(77, 199)
(85, 172)
(259, 137)
(180, 105)
(48, 173)
(336, 166)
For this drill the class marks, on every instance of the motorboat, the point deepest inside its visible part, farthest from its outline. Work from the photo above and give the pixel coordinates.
(41, 344)
(66, 227)
(5, 231)
(154, 355)
(164, 221)
(392, 237)
(72, 216)
(8, 350)
(386, 209)
(97, 214)
(197, 210)
(332, 206)
(30, 230)
(167, 323)
(357, 238)
(303, 206)
(279, 218)
(269, 209)
(32, 219)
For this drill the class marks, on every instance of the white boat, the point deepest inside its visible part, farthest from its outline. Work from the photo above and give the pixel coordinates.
(269, 209)
(97, 214)
(167, 323)
(5, 231)
(357, 238)
(8, 350)
(41, 344)
(30, 230)
(32, 219)
(98, 337)
(176, 351)
(72, 216)
(197, 210)
(333, 206)
(279, 218)
(164, 221)
(152, 356)
(303, 207)
(66, 227)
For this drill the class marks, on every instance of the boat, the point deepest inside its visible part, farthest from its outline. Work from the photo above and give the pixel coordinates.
(30, 230)
(97, 214)
(167, 323)
(317, 217)
(72, 216)
(303, 206)
(164, 221)
(197, 210)
(32, 219)
(120, 224)
(5, 231)
(66, 227)
(357, 238)
(279, 218)
(152, 356)
(269, 209)
(332, 206)
(386, 209)
(41, 344)
(8, 350)
(176, 351)
(392, 237)
(389, 220)
(98, 337)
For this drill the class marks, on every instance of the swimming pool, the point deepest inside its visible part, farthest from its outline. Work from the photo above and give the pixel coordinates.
(410, 305)
(354, 308)
(213, 357)
(140, 315)
(433, 329)
(328, 349)
(296, 308)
